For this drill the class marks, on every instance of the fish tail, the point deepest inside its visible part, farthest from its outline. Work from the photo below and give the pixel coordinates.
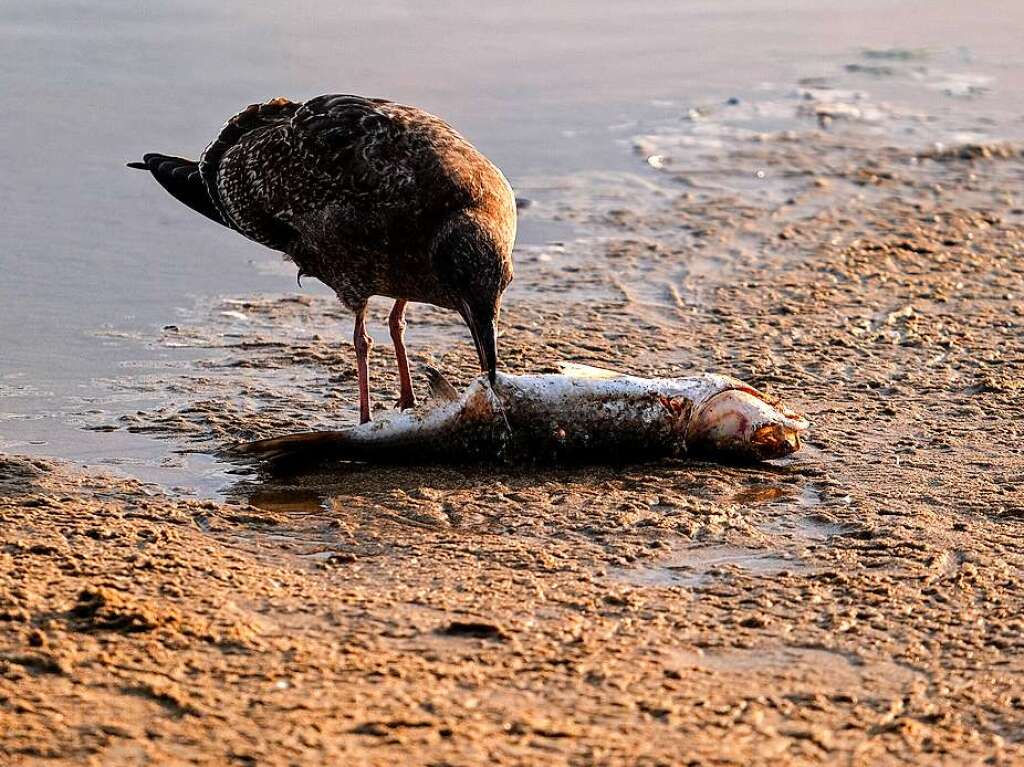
(307, 448)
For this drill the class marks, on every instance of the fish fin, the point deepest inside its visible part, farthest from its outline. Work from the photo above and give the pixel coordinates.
(578, 370)
(440, 388)
(313, 445)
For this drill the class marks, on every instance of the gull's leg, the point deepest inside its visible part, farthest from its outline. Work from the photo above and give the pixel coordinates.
(362, 343)
(396, 321)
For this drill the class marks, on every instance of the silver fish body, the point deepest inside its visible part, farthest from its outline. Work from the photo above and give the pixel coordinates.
(584, 414)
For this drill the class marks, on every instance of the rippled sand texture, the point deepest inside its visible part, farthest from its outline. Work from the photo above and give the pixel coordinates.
(859, 603)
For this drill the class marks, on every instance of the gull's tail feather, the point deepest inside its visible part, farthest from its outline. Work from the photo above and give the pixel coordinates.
(182, 179)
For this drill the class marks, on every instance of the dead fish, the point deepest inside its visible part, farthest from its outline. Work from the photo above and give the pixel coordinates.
(582, 414)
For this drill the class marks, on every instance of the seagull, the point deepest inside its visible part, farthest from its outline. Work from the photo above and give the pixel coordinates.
(370, 197)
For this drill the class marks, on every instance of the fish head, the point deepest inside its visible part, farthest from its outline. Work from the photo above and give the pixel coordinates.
(741, 423)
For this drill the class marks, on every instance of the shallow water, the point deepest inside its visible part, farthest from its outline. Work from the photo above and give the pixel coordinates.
(808, 666)
(700, 565)
(580, 109)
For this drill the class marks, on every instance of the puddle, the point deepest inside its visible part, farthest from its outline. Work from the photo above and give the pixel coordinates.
(815, 528)
(818, 668)
(806, 528)
(329, 557)
(288, 501)
(699, 566)
(757, 495)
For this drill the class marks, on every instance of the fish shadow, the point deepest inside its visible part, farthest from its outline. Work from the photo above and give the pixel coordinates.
(302, 487)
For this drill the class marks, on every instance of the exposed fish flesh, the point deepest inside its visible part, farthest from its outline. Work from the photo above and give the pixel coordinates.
(582, 414)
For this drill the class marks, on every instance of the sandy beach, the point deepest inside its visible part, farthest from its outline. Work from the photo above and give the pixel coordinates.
(857, 603)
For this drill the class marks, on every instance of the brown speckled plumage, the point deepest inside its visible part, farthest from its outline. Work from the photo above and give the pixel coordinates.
(370, 197)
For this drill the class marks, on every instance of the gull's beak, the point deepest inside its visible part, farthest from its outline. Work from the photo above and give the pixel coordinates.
(481, 325)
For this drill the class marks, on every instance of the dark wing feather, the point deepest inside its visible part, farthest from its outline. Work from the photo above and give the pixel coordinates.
(381, 169)
(373, 148)
(347, 133)
(357, 151)
(246, 129)
(337, 121)
(182, 179)
(280, 168)
(352, 171)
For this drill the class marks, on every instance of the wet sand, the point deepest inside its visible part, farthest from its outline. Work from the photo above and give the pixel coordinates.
(858, 603)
